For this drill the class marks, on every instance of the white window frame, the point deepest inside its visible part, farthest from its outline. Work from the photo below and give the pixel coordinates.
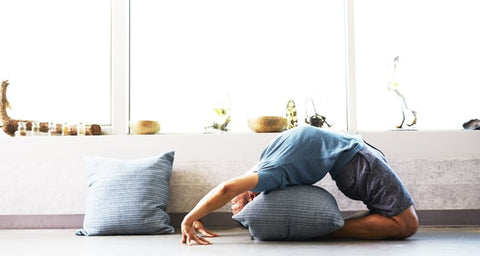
(120, 67)
(121, 62)
(406, 144)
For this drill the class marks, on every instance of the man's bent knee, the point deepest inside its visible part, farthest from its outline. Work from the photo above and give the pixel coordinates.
(408, 222)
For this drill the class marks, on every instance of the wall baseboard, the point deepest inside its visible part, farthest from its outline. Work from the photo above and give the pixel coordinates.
(54, 221)
(428, 218)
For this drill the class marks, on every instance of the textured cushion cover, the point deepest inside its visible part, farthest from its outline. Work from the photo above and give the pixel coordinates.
(294, 213)
(127, 197)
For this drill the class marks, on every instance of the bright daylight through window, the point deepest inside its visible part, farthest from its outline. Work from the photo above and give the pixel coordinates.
(251, 57)
(438, 50)
(56, 56)
(192, 61)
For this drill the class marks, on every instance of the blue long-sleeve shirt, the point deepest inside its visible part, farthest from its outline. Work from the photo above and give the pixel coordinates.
(304, 155)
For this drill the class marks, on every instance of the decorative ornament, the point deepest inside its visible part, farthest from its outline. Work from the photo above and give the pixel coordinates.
(395, 87)
(10, 126)
(316, 120)
(221, 120)
(291, 115)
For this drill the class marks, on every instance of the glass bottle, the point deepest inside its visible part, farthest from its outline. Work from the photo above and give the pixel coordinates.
(81, 129)
(35, 128)
(22, 128)
(52, 129)
(66, 129)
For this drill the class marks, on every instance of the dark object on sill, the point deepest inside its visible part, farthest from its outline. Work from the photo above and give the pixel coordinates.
(473, 124)
(316, 120)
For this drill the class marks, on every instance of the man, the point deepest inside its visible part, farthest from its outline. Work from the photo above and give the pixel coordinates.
(304, 155)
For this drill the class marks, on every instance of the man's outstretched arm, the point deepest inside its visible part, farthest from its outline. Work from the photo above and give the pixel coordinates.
(216, 198)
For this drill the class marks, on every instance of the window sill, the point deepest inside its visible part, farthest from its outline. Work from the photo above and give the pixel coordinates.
(395, 144)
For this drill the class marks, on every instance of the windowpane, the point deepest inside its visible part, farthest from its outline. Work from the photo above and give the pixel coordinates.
(437, 71)
(190, 57)
(56, 55)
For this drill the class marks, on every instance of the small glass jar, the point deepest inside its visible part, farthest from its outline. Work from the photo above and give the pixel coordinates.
(22, 128)
(35, 128)
(52, 129)
(81, 129)
(66, 129)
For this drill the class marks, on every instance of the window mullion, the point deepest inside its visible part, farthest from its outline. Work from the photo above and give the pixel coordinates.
(120, 66)
(350, 67)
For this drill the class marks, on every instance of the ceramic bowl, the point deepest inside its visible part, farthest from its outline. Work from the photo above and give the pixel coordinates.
(145, 127)
(267, 123)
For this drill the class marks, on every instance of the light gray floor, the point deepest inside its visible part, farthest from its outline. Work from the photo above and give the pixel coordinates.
(428, 241)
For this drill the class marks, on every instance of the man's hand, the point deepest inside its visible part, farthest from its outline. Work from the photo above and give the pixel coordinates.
(189, 233)
(216, 198)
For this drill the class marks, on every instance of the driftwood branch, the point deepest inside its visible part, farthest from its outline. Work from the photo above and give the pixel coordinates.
(10, 126)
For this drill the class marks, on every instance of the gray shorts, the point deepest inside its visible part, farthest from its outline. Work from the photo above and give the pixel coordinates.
(369, 178)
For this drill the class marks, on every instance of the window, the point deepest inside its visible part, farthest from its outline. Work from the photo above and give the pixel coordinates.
(189, 57)
(437, 70)
(56, 55)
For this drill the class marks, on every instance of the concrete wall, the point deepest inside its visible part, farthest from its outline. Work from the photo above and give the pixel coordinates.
(44, 176)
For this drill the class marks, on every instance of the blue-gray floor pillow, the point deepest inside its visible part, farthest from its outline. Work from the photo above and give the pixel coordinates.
(127, 197)
(294, 213)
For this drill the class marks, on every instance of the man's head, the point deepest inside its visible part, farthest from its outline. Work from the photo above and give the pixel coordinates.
(241, 200)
